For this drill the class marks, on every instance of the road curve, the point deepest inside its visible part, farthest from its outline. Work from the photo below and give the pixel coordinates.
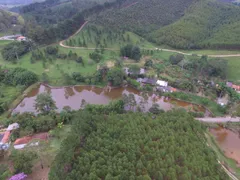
(166, 50)
(219, 119)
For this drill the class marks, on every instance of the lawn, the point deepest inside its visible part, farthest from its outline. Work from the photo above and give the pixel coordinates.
(234, 69)
(58, 67)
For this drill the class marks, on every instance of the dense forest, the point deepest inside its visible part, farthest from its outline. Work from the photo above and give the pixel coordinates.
(205, 25)
(135, 146)
(6, 20)
(143, 17)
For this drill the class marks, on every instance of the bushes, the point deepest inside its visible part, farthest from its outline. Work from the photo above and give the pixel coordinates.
(134, 83)
(19, 76)
(14, 50)
(131, 51)
(78, 77)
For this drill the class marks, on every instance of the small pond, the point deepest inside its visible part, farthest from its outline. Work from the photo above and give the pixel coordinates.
(73, 96)
(228, 141)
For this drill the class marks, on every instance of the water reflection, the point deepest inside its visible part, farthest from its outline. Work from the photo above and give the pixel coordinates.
(73, 96)
(228, 141)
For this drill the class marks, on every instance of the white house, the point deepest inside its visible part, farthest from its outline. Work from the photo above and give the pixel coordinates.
(162, 83)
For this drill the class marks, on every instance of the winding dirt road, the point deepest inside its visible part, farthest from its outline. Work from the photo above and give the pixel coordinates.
(61, 43)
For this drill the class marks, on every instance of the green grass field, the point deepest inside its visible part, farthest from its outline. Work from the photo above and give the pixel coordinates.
(57, 67)
(234, 69)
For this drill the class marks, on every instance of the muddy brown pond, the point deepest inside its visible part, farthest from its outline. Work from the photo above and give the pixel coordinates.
(228, 141)
(73, 96)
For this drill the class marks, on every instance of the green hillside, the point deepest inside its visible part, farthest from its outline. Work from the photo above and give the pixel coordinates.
(205, 25)
(143, 16)
(10, 22)
(93, 36)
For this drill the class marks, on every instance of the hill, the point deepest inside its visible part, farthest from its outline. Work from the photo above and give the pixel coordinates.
(205, 25)
(143, 16)
(10, 21)
(135, 146)
(184, 24)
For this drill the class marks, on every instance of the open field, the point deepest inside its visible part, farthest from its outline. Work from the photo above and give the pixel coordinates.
(57, 67)
(234, 69)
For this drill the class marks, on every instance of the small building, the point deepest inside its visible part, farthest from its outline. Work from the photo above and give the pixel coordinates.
(20, 143)
(6, 137)
(149, 81)
(13, 126)
(162, 83)
(21, 38)
(142, 71)
(236, 87)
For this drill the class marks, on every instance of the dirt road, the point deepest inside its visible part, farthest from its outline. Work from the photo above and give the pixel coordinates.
(61, 43)
(219, 119)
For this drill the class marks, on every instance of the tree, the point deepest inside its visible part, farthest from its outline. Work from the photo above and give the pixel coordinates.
(4, 171)
(134, 71)
(115, 76)
(136, 53)
(175, 59)
(155, 109)
(23, 161)
(148, 63)
(131, 51)
(44, 103)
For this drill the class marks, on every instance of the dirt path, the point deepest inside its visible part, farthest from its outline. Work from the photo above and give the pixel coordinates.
(219, 119)
(165, 50)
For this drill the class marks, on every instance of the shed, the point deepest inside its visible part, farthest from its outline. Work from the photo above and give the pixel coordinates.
(162, 83)
(13, 126)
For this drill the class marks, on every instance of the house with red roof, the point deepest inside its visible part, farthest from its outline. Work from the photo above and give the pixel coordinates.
(20, 143)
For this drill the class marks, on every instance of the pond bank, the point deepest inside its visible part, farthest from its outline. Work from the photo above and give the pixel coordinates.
(73, 96)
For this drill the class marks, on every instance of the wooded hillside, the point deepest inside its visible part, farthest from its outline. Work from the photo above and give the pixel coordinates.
(143, 16)
(205, 25)
(135, 146)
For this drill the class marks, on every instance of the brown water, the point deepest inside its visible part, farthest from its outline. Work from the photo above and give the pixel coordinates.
(228, 141)
(73, 96)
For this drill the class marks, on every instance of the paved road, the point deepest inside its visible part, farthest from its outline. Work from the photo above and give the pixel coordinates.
(166, 50)
(219, 119)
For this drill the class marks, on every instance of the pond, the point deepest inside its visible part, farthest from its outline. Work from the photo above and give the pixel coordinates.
(73, 96)
(228, 141)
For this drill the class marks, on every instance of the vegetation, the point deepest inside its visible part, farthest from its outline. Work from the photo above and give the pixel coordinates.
(136, 143)
(23, 161)
(131, 51)
(45, 103)
(206, 24)
(215, 108)
(93, 36)
(115, 77)
(143, 17)
(13, 51)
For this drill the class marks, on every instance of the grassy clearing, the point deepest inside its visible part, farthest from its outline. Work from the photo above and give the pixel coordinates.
(96, 36)
(229, 162)
(233, 69)
(58, 67)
